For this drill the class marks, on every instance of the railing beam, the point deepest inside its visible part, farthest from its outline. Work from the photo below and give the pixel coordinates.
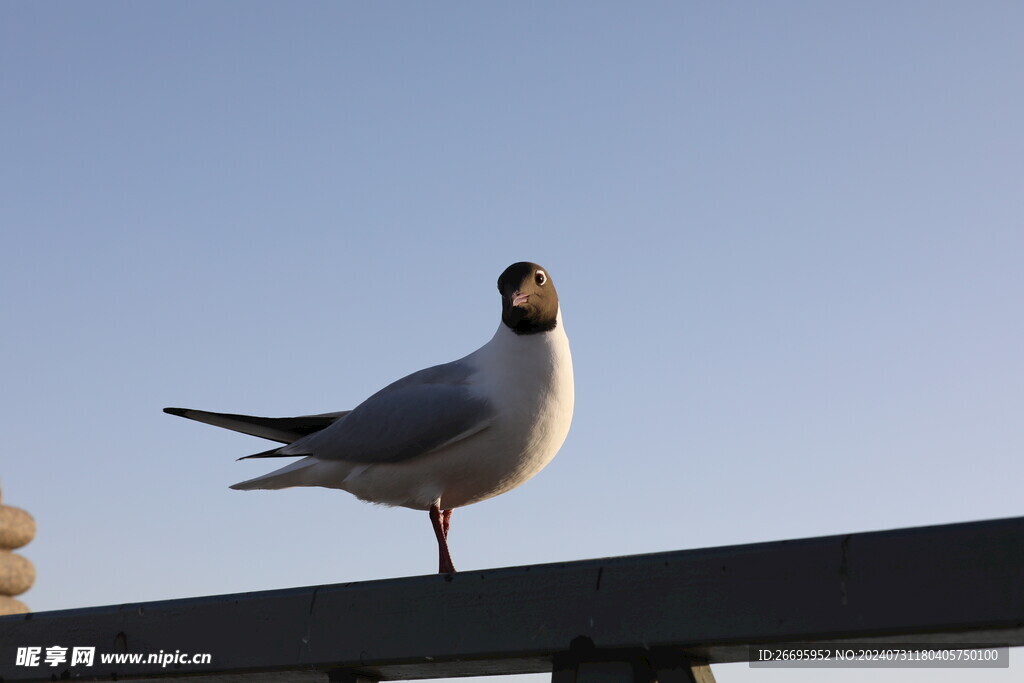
(958, 583)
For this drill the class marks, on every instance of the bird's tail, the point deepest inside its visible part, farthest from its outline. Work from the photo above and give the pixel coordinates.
(294, 474)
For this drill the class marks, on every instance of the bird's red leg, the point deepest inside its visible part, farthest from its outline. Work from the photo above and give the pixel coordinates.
(446, 521)
(445, 565)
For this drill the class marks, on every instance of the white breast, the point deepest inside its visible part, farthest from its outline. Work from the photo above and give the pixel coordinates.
(529, 380)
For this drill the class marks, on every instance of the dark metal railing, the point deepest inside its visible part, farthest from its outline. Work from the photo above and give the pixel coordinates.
(660, 616)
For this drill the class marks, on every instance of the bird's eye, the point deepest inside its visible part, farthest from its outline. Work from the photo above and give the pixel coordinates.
(541, 277)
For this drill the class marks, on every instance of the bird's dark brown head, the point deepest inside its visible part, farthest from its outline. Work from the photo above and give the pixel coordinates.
(529, 302)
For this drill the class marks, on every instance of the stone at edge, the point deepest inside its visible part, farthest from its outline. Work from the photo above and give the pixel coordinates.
(16, 573)
(12, 606)
(17, 527)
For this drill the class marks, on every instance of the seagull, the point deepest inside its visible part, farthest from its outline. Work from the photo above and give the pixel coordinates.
(443, 437)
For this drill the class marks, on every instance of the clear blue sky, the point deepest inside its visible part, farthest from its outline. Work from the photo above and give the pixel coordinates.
(787, 237)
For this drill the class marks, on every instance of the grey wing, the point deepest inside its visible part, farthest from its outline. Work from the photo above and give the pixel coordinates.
(411, 417)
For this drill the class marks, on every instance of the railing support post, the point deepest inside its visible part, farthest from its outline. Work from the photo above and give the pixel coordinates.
(347, 676)
(585, 664)
(685, 671)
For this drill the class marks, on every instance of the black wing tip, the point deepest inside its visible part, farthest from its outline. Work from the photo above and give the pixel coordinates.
(254, 455)
(180, 412)
(272, 453)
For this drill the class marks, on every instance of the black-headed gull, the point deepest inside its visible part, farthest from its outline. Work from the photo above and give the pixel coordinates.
(446, 436)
